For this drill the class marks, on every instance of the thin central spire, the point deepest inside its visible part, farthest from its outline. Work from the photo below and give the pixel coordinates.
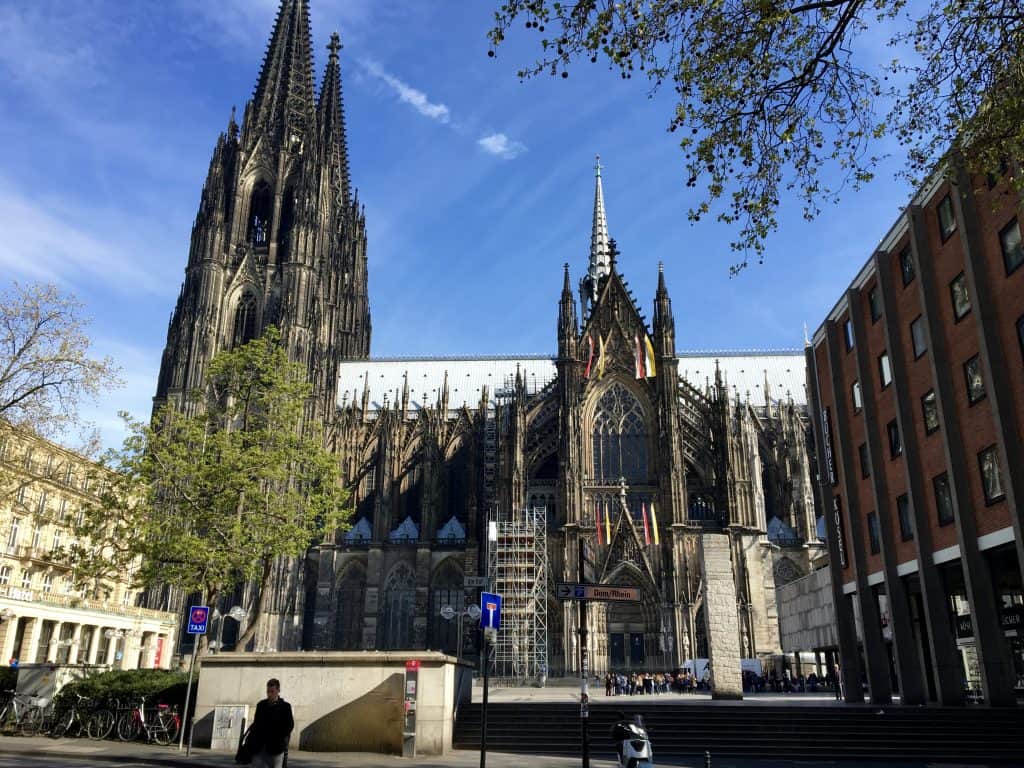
(331, 118)
(599, 250)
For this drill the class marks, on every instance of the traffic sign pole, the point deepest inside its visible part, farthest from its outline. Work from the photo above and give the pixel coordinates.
(198, 617)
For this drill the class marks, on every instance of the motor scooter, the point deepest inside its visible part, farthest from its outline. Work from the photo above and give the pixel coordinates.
(632, 744)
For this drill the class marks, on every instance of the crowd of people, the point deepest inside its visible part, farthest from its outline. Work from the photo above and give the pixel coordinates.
(640, 683)
(685, 681)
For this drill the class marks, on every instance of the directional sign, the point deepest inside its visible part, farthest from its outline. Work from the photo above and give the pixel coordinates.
(597, 593)
(198, 618)
(490, 611)
(474, 581)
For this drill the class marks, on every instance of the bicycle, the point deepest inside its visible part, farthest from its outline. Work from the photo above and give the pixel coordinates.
(71, 719)
(21, 713)
(161, 726)
(102, 721)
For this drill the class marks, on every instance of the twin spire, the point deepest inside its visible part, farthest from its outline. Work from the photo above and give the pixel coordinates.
(600, 245)
(284, 105)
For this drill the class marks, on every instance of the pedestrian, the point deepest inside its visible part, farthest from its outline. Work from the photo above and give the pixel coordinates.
(836, 684)
(267, 740)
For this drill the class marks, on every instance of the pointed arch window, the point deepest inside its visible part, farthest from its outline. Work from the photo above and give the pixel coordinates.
(619, 437)
(447, 589)
(261, 209)
(348, 634)
(398, 610)
(284, 228)
(245, 320)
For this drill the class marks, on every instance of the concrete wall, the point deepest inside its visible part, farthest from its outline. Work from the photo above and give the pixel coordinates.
(342, 701)
(806, 615)
(722, 621)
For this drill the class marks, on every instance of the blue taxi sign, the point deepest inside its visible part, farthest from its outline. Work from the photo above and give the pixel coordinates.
(198, 618)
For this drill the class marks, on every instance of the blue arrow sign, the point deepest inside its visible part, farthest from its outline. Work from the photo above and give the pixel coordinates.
(490, 611)
(198, 618)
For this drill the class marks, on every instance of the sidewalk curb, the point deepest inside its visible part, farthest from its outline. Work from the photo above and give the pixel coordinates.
(144, 755)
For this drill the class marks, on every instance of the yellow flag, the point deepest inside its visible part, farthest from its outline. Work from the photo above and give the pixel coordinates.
(607, 526)
(650, 356)
(654, 518)
(600, 357)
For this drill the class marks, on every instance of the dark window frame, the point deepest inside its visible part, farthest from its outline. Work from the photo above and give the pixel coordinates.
(874, 533)
(908, 270)
(865, 461)
(918, 322)
(961, 278)
(1014, 222)
(874, 304)
(972, 398)
(892, 430)
(928, 430)
(848, 334)
(994, 452)
(942, 480)
(904, 517)
(944, 233)
(883, 368)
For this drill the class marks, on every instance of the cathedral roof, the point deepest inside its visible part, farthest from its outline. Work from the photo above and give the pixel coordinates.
(745, 373)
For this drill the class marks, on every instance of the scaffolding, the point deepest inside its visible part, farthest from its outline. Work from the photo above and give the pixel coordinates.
(518, 570)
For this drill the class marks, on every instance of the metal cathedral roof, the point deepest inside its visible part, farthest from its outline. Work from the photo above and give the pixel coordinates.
(744, 371)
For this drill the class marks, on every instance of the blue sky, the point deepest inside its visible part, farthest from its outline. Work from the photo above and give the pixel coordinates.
(477, 187)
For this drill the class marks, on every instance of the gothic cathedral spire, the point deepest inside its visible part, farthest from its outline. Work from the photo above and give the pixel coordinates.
(600, 246)
(279, 238)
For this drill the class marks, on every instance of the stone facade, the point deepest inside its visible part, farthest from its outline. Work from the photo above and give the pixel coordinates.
(615, 430)
(806, 615)
(720, 608)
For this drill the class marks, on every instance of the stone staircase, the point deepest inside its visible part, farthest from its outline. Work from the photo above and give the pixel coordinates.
(792, 732)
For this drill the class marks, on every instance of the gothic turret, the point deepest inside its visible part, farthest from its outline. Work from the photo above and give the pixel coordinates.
(330, 115)
(568, 327)
(664, 324)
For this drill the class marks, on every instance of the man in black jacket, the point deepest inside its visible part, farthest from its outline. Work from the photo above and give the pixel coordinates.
(271, 728)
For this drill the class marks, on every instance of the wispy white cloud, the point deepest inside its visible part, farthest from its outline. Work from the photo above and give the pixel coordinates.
(57, 241)
(500, 145)
(414, 97)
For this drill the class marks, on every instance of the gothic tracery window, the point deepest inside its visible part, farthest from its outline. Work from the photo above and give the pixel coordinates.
(261, 207)
(447, 590)
(245, 320)
(348, 635)
(398, 611)
(619, 437)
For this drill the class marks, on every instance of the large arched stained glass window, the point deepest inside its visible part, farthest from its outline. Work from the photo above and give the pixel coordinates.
(620, 437)
(245, 320)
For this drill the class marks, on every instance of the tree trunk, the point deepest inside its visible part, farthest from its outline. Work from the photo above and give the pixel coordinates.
(261, 601)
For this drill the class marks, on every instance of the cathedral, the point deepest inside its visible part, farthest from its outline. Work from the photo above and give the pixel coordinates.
(687, 475)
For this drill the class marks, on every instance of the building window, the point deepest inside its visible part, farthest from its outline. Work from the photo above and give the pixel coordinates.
(28, 459)
(58, 538)
(5, 575)
(62, 511)
(848, 334)
(619, 437)
(895, 444)
(858, 399)
(884, 370)
(22, 493)
(261, 206)
(930, 409)
(991, 475)
(947, 222)
(875, 304)
(1013, 252)
(907, 266)
(874, 533)
(917, 337)
(943, 499)
(903, 511)
(975, 383)
(12, 539)
(47, 583)
(245, 320)
(865, 462)
(961, 299)
(37, 535)
(41, 504)
(26, 579)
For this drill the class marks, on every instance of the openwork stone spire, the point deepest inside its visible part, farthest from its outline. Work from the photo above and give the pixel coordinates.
(284, 104)
(600, 261)
(331, 119)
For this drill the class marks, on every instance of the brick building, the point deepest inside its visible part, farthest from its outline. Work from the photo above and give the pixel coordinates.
(916, 385)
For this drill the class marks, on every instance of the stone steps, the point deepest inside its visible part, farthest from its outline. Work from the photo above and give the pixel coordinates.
(750, 730)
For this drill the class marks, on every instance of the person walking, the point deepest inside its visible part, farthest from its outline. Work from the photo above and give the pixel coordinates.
(267, 740)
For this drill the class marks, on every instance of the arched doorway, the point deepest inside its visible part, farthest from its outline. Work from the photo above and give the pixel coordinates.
(633, 630)
(398, 610)
(348, 629)
(446, 589)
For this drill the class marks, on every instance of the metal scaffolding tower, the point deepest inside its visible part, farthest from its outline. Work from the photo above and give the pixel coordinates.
(517, 564)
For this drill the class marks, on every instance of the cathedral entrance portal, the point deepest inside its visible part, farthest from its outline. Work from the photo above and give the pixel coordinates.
(626, 636)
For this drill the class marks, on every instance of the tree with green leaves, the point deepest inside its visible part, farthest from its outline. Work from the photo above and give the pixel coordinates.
(208, 502)
(770, 93)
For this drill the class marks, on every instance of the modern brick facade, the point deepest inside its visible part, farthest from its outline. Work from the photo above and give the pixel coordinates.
(916, 385)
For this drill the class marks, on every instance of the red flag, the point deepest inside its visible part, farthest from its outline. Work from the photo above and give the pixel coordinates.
(590, 356)
(639, 357)
(647, 530)
(597, 519)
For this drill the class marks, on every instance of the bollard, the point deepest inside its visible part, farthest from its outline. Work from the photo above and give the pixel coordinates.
(707, 759)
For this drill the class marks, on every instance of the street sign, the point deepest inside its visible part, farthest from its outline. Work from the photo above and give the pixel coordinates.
(490, 611)
(198, 618)
(474, 611)
(412, 665)
(448, 613)
(474, 581)
(597, 593)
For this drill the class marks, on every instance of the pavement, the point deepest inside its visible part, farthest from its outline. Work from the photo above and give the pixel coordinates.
(562, 692)
(40, 752)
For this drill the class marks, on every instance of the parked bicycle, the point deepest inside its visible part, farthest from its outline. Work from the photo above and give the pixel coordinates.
(72, 719)
(102, 721)
(160, 725)
(21, 713)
